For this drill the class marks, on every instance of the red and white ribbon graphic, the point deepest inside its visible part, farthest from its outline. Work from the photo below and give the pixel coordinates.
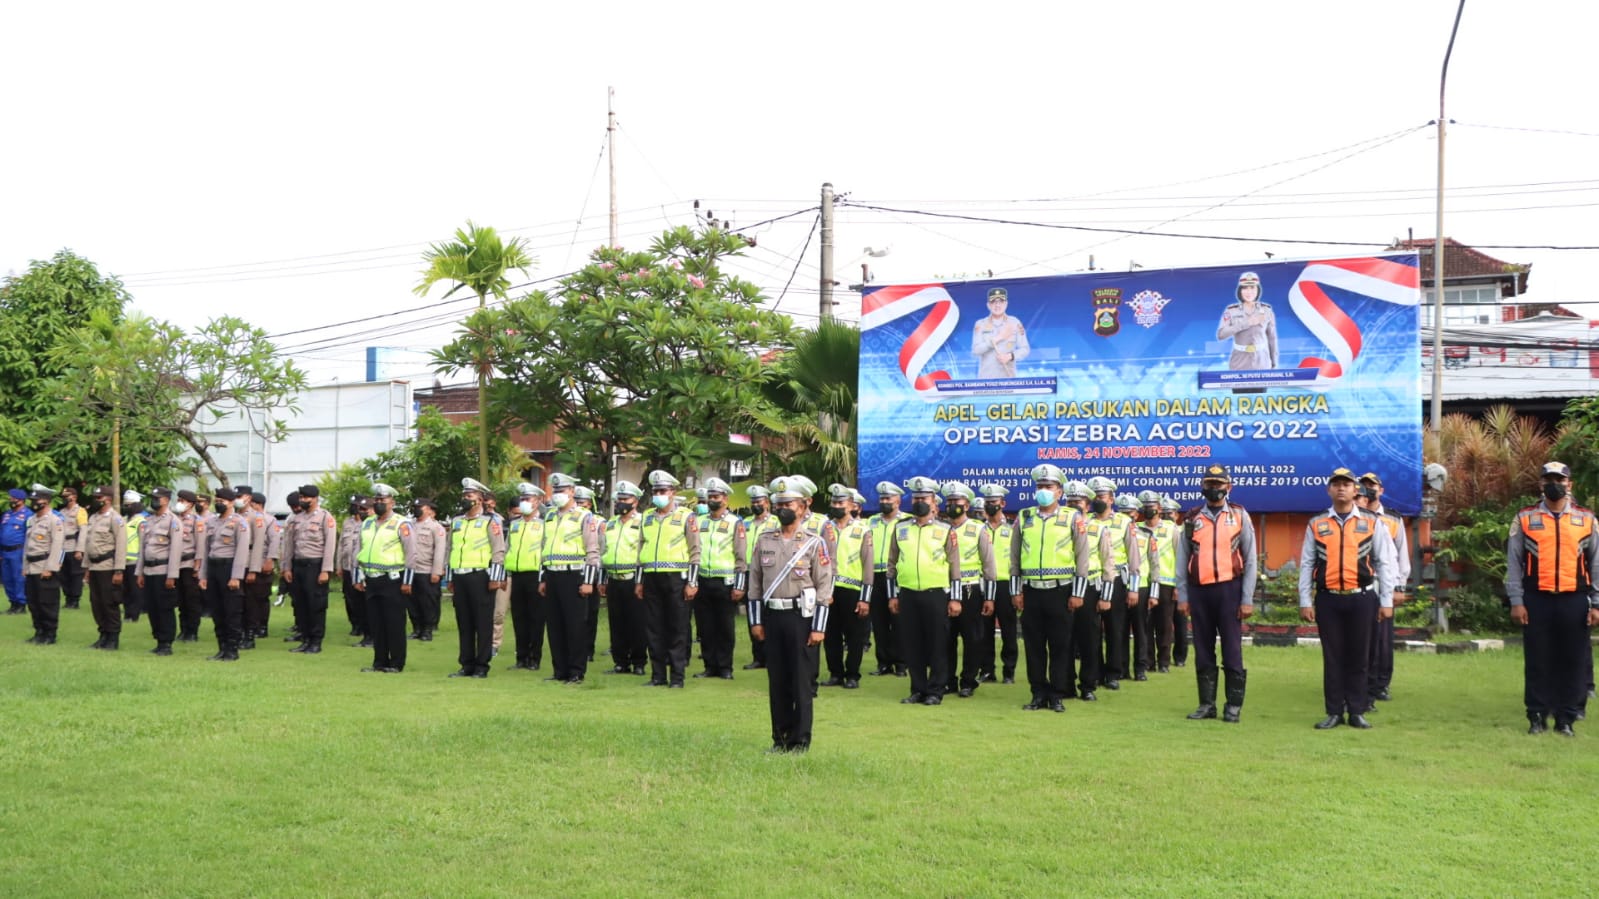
(897, 301)
(1382, 279)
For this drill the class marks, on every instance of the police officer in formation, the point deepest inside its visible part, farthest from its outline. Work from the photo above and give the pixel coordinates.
(104, 544)
(1116, 566)
(190, 595)
(1085, 634)
(924, 571)
(477, 570)
(668, 579)
(977, 571)
(1549, 565)
(885, 624)
(429, 561)
(1216, 565)
(724, 572)
(524, 566)
(759, 521)
(73, 519)
(849, 544)
(1048, 553)
(44, 551)
(344, 565)
(133, 516)
(1347, 574)
(790, 591)
(156, 573)
(998, 534)
(383, 575)
(310, 540)
(571, 573)
(1380, 675)
(1157, 593)
(619, 560)
(13, 534)
(227, 560)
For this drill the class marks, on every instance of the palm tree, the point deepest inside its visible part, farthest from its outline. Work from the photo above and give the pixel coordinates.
(813, 387)
(480, 261)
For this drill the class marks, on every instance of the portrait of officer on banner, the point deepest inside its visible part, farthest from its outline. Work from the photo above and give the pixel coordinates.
(999, 341)
(1251, 325)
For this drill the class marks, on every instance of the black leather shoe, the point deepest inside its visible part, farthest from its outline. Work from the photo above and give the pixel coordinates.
(1088, 696)
(901, 671)
(1538, 727)
(1229, 713)
(464, 672)
(1140, 677)
(1203, 713)
(1329, 722)
(777, 749)
(1009, 679)
(481, 673)
(163, 649)
(728, 675)
(1382, 695)
(965, 692)
(1183, 664)
(987, 677)
(1164, 669)
(833, 682)
(1582, 714)
(702, 674)
(1565, 730)
(754, 666)
(675, 685)
(370, 670)
(293, 638)
(574, 681)
(313, 648)
(392, 670)
(654, 683)
(616, 669)
(215, 658)
(913, 699)
(559, 680)
(1034, 705)
(852, 684)
(637, 669)
(878, 673)
(933, 700)
(303, 647)
(1113, 684)
(1360, 722)
(1055, 705)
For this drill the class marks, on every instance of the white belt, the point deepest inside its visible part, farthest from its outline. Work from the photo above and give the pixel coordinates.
(782, 604)
(468, 570)
(1044, 585)
(563, 567)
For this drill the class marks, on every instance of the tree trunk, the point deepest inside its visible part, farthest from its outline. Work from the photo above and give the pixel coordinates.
(201, 450)
(116, 461)
(483, 408)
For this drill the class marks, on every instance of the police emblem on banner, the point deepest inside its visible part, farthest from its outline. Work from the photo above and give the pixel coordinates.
(1146, 306)
(1107, 310)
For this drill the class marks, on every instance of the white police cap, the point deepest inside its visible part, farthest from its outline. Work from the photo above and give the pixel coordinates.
(889, 488)
(920, 484)
(952, 489)
(1047, 472)
(626, 488)
(383, 490)
(784, 489)
(660, 479)
(558, 481)
(132, 496)
(839, 491)
(806, 486)
(1101, 485)
(717, 485)
(756, 491)
(473, 484)
(526, 489)
(1077, 490)
(992, 491)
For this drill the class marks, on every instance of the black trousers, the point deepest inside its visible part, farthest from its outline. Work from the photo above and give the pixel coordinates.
(885, 627)
(355, 606)
(966, 638)
(104, 596)
(1005, 614)
(257, 602)
(474, 618)
(424, 602)
(132, 594)
(1345, 624)
(1163, 621)
(528, 618)
(311, 600)
(1113, 627)
(191, 603)
(1085, 642)
(1047, 621)
(44, 602)
(1214, 608)
(591, 621)
(567, 612)
(788, 676)
(625, 614)
(384, 621)
(1380, 658)
(845, 642)
(714, 612)
(666, 616)
(923, 634)
(1556, 642)
(71, 575)
(161, 604)
(227, 606)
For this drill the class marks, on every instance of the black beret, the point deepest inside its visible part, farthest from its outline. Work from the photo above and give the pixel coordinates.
(243, 489)
(310, 490)
(188, 496)
(226, 493)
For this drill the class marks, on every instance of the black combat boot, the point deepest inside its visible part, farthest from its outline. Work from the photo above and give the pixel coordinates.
(1235, 695)
(1207, 694)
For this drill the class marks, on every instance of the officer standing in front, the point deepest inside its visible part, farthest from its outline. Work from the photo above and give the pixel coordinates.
(999, 533)
(624, 537)
(976, 572)
(1216, 570)
(524, 567)
(45, 548)
(13, 533)
(429, 552)
(760, 520)
(723, 572)
(1549, 567)
(477, 571)
(790, 589)
(105, 545)
(160, 539)
(1159, 590)
(383, 574)
(227, 562)
(344, 566)
(924, 571)
(849, 543)
(1346, 584)
(1381, 674)
(571, 572)
(1048, 551)
(191, 562)
(133, 516)
(668, 580)
(73, 518)
(315, 539)
(885, 637)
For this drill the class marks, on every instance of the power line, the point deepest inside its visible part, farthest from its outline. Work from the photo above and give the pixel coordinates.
(1531, 130)
(800, 258)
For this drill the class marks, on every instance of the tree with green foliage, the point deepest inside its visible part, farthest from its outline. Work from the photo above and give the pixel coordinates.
(811, 391)
(39, 311)
(654, 352)
(479, 260)
(429, 465)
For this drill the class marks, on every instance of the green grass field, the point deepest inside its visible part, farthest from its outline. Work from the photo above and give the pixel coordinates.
(129, 774)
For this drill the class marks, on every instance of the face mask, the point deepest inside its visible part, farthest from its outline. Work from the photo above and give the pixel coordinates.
(993, 508)
(1554, 491)
(836, 513)
(623, 508)
(241, 504)
(221, 507)
(702, 509)
(465, 505)
(1045, 498)
(130, 509)
(1098, 507)
(381, 507)
(920, 509)
(956, 511)
(525, 507)
(716, 505)
(758, 507)
(42, 504)
(785, 517)
(180, 507)
(660, 501)
(561, 499)
(888, 508)
(1214, 494)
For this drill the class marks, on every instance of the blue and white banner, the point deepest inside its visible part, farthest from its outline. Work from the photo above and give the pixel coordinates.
(1281, 371)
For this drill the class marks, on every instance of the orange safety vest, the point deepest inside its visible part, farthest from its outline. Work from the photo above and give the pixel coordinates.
(1556, 549)
(1344, 551)
(1215, 553)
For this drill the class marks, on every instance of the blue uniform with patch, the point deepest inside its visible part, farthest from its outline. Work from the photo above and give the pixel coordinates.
(13, 534)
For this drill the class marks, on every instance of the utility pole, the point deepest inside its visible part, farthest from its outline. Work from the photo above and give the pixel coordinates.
(827, 252)
(610, 153)
(1437, 409)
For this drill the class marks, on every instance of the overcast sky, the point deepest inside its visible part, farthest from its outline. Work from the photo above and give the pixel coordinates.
(289, 162)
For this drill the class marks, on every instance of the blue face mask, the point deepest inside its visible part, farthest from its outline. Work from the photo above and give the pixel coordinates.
(1044, 497)
(660, 501)
(702, 509)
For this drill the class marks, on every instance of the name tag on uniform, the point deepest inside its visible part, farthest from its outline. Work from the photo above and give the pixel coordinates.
(1577, 519)
(768, 559)
(1362, 526)
(1199, 524)
(1323, 529)
(1532, 523)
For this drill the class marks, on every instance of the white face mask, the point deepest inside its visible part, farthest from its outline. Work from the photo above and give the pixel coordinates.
(241, 504)
(561, 499)
(180, 507)
(525, 507)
